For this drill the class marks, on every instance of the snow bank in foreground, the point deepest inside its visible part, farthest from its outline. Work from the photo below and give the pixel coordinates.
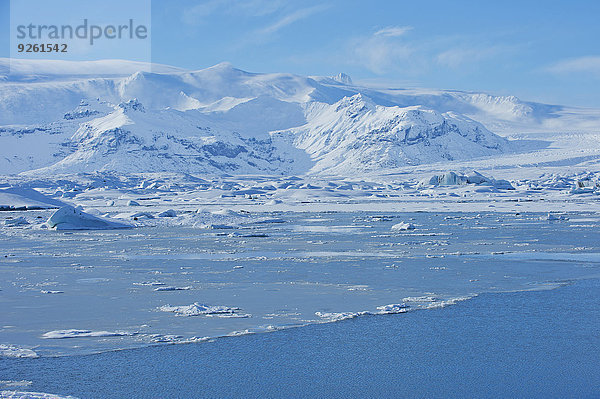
(196, 309)
(69, 218)
(31, 395)
(454, 179)
(61, 334)
(16, 351)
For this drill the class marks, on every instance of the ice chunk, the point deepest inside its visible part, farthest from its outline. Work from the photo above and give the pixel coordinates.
(339, 316)
(133, 203)
(69, 218)
(169, 213)
(16, 351)
(20, 221)
(553, 216)
(424, 298)
(403, 226)
(197, 309)
(169, 338)
(393, 308)
(142, 215)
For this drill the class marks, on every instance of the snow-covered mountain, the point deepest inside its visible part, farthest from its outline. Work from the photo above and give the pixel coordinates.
(128, 117)
(355, 134)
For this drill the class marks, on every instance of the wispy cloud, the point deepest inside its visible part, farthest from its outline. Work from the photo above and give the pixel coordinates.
(197, 14)
(390, 51)
(380, 55)
(472, 53)
(289, 19)
(393, 31)
(384, 51)
(587, 65)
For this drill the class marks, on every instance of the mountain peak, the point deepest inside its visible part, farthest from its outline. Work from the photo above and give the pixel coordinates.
(342, 78)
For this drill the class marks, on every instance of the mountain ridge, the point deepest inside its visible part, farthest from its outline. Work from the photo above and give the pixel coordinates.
(225, 120)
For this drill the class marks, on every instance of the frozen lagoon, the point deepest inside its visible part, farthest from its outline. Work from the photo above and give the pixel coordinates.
(534, 344)
(82, 292)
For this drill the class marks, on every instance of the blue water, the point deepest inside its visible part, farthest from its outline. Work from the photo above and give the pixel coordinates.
(543, 344)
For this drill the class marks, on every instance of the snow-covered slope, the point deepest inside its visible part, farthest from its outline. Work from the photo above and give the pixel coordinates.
(355, 134)
(128, 117)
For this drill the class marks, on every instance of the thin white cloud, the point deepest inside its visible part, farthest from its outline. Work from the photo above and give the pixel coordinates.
(389, 51)
(587, 65)
(459, 56)
(393, 31)
(289, 19)
(380, 55)
(198, 13)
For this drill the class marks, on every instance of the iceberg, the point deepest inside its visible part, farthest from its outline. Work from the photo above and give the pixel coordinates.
(454, 179)
(69, 218)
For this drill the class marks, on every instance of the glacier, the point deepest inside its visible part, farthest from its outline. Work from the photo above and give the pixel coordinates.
(118, 116)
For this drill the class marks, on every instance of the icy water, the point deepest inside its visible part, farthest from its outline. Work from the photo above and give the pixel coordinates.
(541, 344)
(88, 292)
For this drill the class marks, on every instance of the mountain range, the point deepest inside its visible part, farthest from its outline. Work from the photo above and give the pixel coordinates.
(127, 117)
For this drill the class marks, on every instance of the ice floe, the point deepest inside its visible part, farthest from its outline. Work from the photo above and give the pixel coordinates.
(150, 283)
(424, 298)
(172, 288)
(339, 316)
(16, 351)
(31, 395)
(197, 309)
(11, 383)
(62, 334)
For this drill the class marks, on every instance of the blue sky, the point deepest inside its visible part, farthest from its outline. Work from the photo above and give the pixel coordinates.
(538, 50)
